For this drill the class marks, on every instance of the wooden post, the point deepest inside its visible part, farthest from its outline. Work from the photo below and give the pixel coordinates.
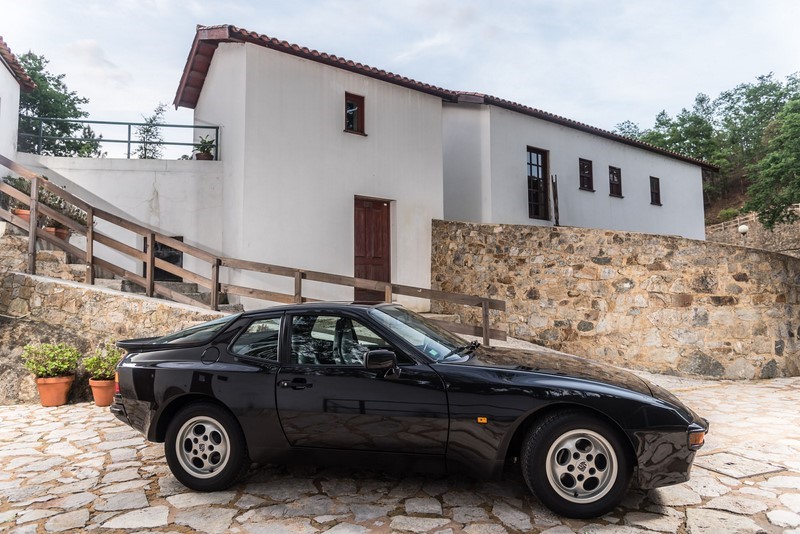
(298, 286)
(151, 264)
(215, 284)
(387, 293)
(485, 310)
(89, 277)
(33, 223)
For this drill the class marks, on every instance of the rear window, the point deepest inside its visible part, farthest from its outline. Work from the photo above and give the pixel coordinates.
(197, 334)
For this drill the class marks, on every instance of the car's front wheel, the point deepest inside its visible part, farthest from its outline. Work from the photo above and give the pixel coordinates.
(576, 464)
(205, 447)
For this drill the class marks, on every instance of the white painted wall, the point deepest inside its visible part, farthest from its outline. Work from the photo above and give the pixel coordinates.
(9, 112)
(300, 172)
(511, 133)
(181, 198)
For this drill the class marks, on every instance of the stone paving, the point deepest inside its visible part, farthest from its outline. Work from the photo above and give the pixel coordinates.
(76, 468)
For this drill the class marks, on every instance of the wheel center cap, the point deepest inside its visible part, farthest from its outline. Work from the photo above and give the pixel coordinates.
(203, 447)
(582, 467)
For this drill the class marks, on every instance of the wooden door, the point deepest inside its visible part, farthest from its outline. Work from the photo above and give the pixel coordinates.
(372, 245)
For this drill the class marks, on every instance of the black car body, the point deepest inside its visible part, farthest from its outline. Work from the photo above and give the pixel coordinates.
(378, 385)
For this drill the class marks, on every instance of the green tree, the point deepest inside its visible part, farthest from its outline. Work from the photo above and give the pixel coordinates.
(777, 183)
(52, 99)
(149, 135)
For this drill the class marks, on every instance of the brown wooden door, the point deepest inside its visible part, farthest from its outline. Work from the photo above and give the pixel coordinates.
(372, 245)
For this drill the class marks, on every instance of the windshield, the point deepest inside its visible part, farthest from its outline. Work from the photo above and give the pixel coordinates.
(198, 333)
(433, 340)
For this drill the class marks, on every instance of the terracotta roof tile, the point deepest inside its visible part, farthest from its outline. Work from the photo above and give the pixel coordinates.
(8, 59)
(207, 39)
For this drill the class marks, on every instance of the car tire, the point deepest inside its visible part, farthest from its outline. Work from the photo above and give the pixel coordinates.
(576, 464)
(205, 447)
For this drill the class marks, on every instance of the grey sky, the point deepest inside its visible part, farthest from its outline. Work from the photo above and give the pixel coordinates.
(599, 62)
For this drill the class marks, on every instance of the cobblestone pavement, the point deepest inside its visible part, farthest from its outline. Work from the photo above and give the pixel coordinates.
(77, 468)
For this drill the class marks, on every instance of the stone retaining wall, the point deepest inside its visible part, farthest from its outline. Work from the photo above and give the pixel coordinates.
(784, 237)
(53, 311)
(663, 304)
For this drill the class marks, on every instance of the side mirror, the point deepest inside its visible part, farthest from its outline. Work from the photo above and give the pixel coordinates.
(381, 359)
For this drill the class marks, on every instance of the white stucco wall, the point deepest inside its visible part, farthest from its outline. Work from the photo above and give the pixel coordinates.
(9, 112)
(511, 133)
(294, 188)
(180, 198)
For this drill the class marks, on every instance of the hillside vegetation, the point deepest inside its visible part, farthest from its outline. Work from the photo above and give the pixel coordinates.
(752, 133)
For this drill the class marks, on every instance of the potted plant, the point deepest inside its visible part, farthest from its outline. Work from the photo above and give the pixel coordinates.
(204, 149)
(54, 367)
(12, 204)
(101, 367)
(50, 200)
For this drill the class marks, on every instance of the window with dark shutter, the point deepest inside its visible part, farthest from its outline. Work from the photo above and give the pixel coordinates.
(586, 175)
(655, 191)
(615, 181)
(353, 113)
(537, 184)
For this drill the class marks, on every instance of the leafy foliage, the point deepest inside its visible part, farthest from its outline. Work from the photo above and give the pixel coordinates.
(727, 214)
(204, 145)
(103, 363)
(149, 135)
(53, 100)
(777, 185)
(732, 132)
(46, 360)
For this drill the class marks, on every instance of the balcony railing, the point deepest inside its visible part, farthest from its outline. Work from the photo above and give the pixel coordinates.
(41, 142)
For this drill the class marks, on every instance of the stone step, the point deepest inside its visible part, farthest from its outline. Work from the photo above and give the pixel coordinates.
(180, 287)
(107, 283)
(449, 317)
(51, 256)
(231, 308)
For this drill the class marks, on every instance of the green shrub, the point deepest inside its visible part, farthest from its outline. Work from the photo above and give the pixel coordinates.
(46, 360)
(103, 363)
(727, 214)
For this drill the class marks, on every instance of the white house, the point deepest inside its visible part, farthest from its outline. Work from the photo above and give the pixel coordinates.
(508, 163)
(13, 79)
(331, 165)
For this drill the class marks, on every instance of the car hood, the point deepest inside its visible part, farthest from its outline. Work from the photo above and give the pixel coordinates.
(556, 363)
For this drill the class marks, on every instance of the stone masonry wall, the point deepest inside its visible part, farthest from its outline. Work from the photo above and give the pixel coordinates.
(785, 237)
(663, 304)
(48, 310)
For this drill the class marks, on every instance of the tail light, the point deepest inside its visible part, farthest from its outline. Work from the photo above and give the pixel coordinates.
(116, 383)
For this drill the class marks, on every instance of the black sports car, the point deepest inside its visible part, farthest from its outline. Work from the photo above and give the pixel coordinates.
(379, 385)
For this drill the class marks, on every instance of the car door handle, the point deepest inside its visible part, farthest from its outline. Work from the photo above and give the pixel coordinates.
(297, 383)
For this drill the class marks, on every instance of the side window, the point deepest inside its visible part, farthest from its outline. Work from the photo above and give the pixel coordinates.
(260, 340)
(333, 340)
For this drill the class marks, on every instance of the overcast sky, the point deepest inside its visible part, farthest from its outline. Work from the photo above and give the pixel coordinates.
(598, 62)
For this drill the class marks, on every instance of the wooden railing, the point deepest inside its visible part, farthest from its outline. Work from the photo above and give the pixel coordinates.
(211, 280)
(743, 219)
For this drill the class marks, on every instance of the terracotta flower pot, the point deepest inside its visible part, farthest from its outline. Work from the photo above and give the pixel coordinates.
(54, 391)
(25, 215)
(61, 233)
(203, 156)
(102, 391)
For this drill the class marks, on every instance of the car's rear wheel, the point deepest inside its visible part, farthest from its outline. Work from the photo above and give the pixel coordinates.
(205, 447)
(576, 464)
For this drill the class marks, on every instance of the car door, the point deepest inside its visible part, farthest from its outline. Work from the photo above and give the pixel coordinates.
(327, 398)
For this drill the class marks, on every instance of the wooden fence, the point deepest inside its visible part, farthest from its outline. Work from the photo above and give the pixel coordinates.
(209, 280)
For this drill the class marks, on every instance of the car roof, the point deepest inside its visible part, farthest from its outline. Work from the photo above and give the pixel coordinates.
(316, 306)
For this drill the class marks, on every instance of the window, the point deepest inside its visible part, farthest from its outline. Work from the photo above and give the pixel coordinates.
(332, 340)
(586, 176)
(655, 191)
(615, 181)
(353, 113)
(260, 340)
(537, 184)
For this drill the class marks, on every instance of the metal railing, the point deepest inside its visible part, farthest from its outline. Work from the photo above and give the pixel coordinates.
(742, 219)
(210, 279)
(40, 138)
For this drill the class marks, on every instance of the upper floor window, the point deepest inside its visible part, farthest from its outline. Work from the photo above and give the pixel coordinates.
(655, 191)
(586, 174)
(537, 184)
(353, 113)
(615, 181)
